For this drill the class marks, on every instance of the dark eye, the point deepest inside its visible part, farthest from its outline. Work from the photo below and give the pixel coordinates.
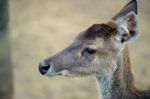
(89, 51)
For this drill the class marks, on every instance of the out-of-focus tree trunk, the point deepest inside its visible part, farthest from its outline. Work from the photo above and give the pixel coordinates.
(6, 78)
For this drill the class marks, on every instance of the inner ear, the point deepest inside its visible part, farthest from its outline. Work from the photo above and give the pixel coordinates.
(132, 23)
(128, 27)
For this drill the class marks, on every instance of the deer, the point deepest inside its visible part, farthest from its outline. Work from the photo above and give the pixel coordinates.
(102, 51)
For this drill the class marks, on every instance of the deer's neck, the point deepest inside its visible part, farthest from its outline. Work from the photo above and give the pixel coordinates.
(118, 85)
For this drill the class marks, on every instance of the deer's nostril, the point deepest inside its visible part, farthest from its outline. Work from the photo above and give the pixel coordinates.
(44, 67)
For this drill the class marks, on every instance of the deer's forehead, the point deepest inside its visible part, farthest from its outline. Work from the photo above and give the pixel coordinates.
(98, 31)
(92, 43)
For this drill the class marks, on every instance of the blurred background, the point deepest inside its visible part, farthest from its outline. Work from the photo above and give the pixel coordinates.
(31, 30)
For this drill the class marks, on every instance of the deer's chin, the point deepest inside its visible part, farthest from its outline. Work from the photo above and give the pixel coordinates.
(65, 73)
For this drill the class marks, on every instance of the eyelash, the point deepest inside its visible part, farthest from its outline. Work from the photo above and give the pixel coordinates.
(89, 51)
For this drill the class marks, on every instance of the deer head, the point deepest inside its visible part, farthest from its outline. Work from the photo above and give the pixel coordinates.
(95, 50)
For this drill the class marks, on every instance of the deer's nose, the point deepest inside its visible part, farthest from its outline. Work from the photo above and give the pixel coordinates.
(44, 67)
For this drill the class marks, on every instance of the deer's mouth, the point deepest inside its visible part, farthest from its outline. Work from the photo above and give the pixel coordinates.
(64, 72)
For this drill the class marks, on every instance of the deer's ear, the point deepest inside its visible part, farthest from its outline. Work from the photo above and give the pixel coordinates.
(127, 22)
(130, 7)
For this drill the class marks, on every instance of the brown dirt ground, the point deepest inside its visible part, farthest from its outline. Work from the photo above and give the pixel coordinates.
(40, 28)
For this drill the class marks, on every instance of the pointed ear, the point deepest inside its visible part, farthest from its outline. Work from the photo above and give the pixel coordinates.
(130, 7)
(127, 22)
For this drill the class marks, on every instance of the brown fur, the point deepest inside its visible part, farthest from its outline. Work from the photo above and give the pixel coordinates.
(99, 30)
(123, 82)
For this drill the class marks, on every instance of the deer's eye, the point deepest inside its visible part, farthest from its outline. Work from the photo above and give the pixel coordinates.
(89, 51)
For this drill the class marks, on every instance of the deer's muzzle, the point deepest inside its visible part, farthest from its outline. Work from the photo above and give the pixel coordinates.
(44, 67)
